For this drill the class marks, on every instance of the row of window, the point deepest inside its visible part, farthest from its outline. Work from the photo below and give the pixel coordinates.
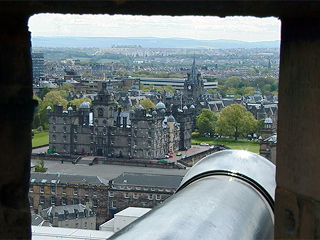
(75, 191)
(62, 201)
(140, 188)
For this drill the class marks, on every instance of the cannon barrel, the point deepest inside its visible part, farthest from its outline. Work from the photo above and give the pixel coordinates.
(227, 195)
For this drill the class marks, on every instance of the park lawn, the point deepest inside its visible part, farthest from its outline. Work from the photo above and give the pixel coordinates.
(40, 139)
(251, 146)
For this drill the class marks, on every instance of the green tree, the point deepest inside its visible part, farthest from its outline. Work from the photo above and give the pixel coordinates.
(67, 87)
(235, 121)
(233, 82)
(44, 92)
(54, 97)
(147, 103)
(166, 88)
(39, 166)
(206, 121)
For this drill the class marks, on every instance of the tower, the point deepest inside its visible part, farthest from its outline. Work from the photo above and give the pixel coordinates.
(193, 86)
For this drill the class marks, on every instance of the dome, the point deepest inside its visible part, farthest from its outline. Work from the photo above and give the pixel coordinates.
(268, 120)
(154, 113)
(139, 106)
(85, 104)
(192, 107)
(160, 105)
(171, 119)
(48, 108)
(185, 108)
(163, 111)
(132, 111)
(70, 108)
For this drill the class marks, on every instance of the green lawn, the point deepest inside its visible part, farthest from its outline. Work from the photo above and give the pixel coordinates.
(251, 146)
(40, 139)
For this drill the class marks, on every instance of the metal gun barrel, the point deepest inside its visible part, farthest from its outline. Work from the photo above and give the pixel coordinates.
(227, 195)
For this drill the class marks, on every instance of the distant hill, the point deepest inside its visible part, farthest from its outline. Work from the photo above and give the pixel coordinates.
(146, 42)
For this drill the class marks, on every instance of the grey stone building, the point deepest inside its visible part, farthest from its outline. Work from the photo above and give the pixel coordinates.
(47, 189)
(104, 130)
(140, 190)
(70, 216)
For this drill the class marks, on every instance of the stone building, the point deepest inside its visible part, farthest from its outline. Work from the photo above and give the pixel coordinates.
(268, 141)
(47, 189)
(104, 130)
(70, 216)
(140, 190)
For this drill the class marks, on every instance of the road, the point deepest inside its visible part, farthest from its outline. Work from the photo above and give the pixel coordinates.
(112, 171)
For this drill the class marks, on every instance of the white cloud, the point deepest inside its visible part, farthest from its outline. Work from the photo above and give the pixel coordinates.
(196, 27)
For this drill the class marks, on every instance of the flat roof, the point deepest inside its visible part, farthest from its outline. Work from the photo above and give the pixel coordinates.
(133, 212)
(50, 233)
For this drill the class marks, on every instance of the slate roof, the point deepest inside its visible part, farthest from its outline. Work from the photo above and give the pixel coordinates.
(150, 180)
(56, 178)
(272, 139)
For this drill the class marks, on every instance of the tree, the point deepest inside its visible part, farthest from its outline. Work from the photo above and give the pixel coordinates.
(39, 167)
(44, 92)
(235, 120)
(206, 121)
(67, 87)
(147, 103)
(54, 97)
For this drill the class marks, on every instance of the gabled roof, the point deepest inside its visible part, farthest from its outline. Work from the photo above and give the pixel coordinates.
(146, 179)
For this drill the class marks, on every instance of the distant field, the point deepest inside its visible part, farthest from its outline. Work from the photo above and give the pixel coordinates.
(251, 146)
(40, 139)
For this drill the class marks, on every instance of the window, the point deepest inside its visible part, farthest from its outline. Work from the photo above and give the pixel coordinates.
(53, 190)
(153, 189)
(31, 189)
(126, 195)
(75, 201)
(41, 189)
(53, 200)
(95, 202)
(150, 196)
(31, 201)
(135, 196)
(63, 201)
(41, 199)
(158, 197)
(64, 190)
(111, 194)
(77, 225)
(86, 192)
(75, 191)
(114, 204)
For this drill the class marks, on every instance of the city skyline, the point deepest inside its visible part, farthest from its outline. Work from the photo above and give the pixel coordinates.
(249, 29)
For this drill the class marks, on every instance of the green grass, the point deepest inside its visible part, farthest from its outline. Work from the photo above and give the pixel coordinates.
(40, 139)
(251, 146)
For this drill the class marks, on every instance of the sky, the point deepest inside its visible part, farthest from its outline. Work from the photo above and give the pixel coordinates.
(248, 29)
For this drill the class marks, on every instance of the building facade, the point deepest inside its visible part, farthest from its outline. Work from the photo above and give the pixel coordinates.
(104, 130)
(140, 190)
(47, 189)
(70, 216)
